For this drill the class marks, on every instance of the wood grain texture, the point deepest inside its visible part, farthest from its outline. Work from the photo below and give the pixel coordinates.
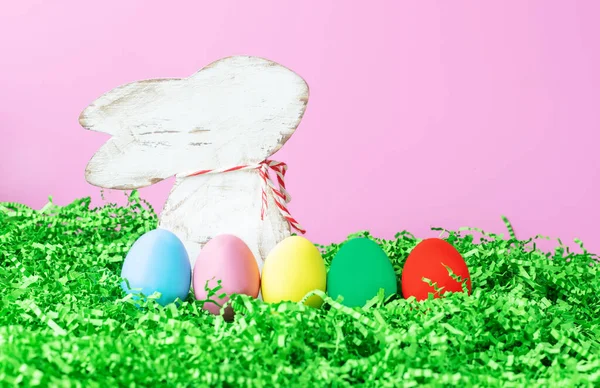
(236, 111)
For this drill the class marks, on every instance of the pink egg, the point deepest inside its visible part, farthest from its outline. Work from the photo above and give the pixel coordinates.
(226, 258)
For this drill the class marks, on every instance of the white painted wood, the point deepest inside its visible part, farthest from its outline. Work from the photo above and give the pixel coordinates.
(236, 111)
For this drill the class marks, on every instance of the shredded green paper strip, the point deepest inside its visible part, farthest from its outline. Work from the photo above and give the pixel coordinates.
(533, 318)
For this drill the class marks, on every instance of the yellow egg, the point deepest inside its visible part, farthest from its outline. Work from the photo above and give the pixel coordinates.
(292, 269)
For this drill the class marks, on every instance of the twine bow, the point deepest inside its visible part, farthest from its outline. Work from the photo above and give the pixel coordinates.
(281, 195)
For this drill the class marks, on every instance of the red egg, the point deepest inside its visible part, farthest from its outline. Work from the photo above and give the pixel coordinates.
(428, 260)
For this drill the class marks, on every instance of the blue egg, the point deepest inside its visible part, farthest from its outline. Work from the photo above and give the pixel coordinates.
(158, 261)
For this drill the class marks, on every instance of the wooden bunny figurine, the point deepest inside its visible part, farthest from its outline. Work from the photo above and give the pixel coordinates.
(214, 131)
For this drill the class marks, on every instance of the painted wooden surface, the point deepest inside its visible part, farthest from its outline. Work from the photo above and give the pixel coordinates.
(236, 111)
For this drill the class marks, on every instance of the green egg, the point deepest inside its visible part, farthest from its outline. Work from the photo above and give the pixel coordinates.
(358, 271)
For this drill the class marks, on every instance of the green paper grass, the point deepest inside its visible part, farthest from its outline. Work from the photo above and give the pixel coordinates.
(533, 318)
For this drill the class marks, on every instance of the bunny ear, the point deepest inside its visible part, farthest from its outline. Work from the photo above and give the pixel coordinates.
(108, 113)
(126, 164)
(238, 110)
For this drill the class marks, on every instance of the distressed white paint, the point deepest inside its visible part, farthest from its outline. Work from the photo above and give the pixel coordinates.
(236, 111)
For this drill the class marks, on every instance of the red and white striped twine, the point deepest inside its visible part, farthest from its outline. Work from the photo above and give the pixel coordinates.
(282, 197)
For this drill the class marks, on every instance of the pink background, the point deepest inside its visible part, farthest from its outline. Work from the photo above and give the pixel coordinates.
(421, 113)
